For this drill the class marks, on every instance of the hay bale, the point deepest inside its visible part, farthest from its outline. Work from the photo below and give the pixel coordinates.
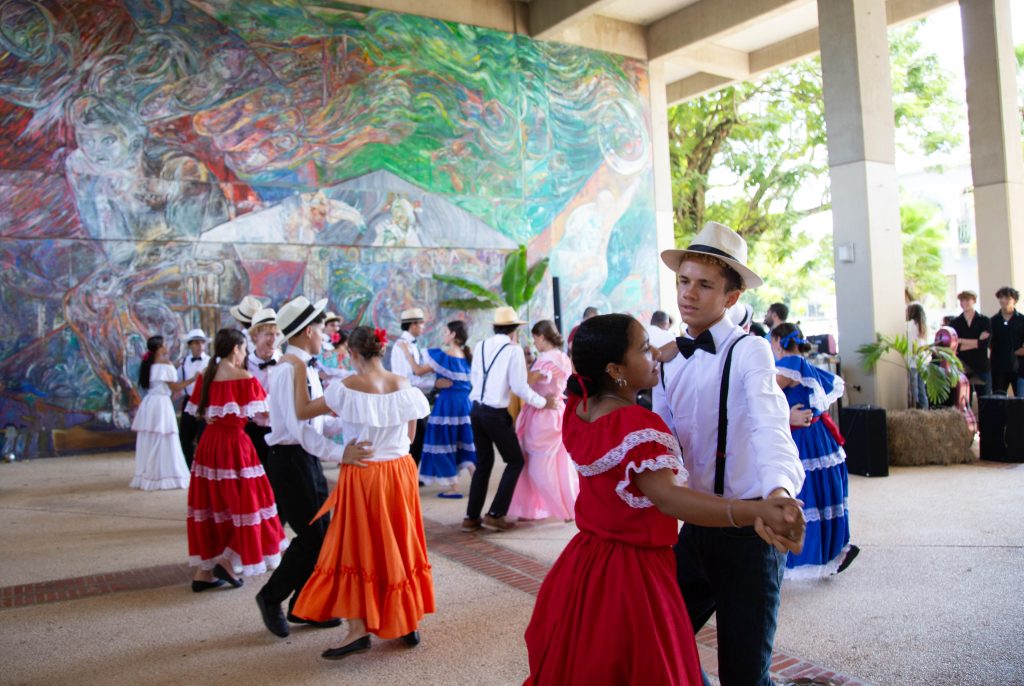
(928, 437)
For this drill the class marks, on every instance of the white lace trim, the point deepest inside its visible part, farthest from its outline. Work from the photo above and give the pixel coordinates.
(673, 462)
(805, 572)
(825, 461)
(820, 400)
(816, 514)
(448, 421)
(447, 448)
(441, 370)
(253, 472)
(235, 560)
(238, 520)
(632, 440)
(248, 410)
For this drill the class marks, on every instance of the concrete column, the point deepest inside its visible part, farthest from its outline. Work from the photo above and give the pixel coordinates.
(865, 194)
(990, 69)
(662, 187)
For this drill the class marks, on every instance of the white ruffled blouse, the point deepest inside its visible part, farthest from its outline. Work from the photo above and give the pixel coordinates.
(382, 419)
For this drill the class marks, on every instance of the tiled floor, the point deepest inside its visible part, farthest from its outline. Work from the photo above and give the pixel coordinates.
(472, 550)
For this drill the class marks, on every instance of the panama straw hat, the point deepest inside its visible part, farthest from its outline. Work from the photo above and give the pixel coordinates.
(296, 315)
(332, 317)
(717, 240)
(245, 310)
(506, 316)
(413, 314)
(196, 335)
(264, 316)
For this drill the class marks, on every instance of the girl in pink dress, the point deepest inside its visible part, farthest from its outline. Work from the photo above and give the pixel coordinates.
(548, 486)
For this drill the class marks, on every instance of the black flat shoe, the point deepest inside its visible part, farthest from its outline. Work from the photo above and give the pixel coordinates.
(200, 586)
(273, 618)
(411, 639)
(851, 555)
(360, 645)
(326, 624)
(222, 574)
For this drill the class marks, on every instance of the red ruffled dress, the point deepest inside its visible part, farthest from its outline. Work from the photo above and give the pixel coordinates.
(610, 611)
(231, 507)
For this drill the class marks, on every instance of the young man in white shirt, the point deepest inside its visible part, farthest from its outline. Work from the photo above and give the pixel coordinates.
(190, 427)
(260, 361)
(293, 466)
(413, 323)
(731, 572)
(498, 368)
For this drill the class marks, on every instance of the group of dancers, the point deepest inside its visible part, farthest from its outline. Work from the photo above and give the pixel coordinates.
(757, 492)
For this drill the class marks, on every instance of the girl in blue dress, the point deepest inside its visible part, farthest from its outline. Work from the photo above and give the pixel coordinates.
(448, 440)
(827, 548)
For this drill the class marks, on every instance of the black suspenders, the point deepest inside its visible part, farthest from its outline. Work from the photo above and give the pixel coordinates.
(723, 420)
(488, 367)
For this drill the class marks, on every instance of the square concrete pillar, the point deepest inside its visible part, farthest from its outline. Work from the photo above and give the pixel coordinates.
(990, 69)
(865, 194)
(662, 186)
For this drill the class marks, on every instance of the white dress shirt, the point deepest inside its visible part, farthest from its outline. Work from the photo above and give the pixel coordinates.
(760, 453)
(285, 426)
(190, 369)
(400, 365)
(507, 373)
(253, 362)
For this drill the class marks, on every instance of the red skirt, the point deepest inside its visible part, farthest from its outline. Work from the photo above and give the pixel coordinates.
(373, 564)
(231, 508)
(611, 613)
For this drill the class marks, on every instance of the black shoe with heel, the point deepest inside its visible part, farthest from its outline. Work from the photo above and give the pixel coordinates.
(200, 586)
(360, 645)
(222, 574)
(411, 639)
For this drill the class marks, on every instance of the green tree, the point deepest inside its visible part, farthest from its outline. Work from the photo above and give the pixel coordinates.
(923, 235)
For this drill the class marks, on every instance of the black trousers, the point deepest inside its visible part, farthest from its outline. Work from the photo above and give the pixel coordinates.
(492, 426)
(258, 435)
(190, 428)
(416, 447)
(299, 484)
(1001, 381)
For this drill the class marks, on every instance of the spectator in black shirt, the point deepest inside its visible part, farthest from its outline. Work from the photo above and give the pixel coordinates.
(974, 330)
(1007, 344)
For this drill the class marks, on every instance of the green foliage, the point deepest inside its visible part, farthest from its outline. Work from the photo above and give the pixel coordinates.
(923, 236)
(518, 284)
(939, 379)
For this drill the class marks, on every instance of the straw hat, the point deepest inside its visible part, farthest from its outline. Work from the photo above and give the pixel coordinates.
(245, 310)
(296, 315)
(196, 335)
(264, 316)
(332, 317)
(413, 314)
(506, 316)
(717, 240)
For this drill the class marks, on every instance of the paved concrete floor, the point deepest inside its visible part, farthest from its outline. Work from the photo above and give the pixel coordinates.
(936, 596)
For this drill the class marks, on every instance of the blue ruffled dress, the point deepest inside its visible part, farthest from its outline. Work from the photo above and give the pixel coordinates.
(826, 486)
(448, 439)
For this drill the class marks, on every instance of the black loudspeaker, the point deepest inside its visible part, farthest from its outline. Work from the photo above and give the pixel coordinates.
(1001, 425)
(867, 442)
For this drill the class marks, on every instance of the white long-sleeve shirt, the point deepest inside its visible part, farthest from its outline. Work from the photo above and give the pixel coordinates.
(190, 368)
(507, 373)
(285, 426)
(400, 365)
(760, 453)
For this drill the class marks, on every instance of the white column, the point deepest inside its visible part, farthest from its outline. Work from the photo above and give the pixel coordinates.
(865, 194)
(664, 215)
(990, 69)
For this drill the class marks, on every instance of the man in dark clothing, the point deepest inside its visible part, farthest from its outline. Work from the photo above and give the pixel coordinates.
(1007, 344)
(974, 330)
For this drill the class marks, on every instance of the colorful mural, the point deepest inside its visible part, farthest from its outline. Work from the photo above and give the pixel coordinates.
(161, 158)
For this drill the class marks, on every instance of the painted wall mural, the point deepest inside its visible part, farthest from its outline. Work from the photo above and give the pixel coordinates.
(159, 159)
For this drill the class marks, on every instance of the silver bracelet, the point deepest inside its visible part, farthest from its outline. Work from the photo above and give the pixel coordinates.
(728, 511)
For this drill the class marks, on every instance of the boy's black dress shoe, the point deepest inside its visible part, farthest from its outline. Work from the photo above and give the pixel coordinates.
(411, 639)
(360, 645)
(326, 624)
(222, 574)
(200, 586)
(273, 618)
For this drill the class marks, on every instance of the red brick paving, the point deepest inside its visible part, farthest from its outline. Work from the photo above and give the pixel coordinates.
(474, 550)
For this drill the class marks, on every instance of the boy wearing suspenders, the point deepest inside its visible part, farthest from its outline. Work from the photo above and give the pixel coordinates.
(720, 398)
(499, 366)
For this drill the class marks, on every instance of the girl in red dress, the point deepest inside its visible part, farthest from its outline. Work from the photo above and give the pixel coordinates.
(610, 610)
(233, 526)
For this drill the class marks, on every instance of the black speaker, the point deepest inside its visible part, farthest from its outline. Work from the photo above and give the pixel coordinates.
(1001, 425)
(867, 441)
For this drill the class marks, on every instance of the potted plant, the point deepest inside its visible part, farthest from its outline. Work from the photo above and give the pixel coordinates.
(917, 436)
(518, 283)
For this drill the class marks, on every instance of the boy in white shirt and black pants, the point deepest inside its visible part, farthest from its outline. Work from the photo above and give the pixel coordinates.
(190, 427)
(499, 366)
(749, 454)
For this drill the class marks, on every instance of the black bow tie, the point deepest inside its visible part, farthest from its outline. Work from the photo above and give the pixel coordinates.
(687, 346)
(269, 363)
(312, 362)
(197, 359)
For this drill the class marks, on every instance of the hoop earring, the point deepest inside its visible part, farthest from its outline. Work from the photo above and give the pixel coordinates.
(620, 382)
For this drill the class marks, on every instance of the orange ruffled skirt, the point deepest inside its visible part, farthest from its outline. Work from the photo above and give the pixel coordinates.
(373, 564)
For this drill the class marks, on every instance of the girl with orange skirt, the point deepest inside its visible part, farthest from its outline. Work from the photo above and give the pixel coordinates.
(373, 568)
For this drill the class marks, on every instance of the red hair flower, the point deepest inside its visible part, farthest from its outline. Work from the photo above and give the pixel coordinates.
(147, 356)
(381, 335)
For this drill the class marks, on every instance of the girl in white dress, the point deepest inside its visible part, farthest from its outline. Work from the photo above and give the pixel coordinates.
(159, 461)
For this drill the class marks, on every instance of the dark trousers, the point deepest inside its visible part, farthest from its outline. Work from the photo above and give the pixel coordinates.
(299, 484)
(258, 435)
(492, 426)
(416, 447)
(733, 573)
(1001, 381)
(190, 428)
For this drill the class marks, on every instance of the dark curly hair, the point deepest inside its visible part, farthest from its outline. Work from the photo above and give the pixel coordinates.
(599, 341)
